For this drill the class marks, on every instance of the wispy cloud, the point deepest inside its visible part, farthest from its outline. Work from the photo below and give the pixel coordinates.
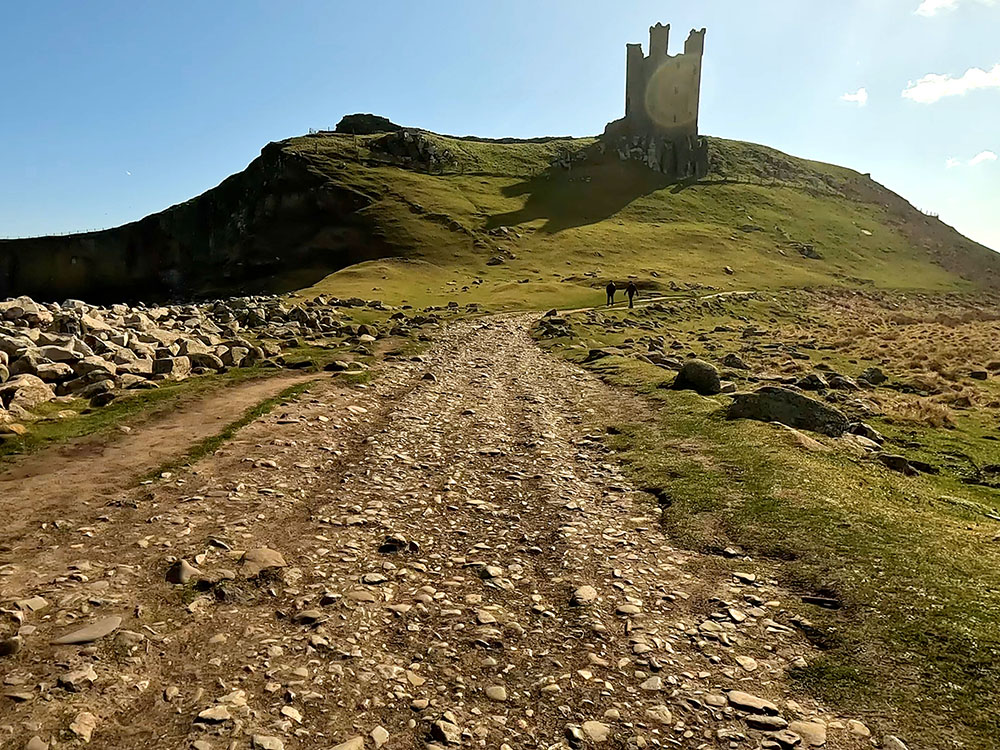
(930, 8)
(981, 158)
(859, 97)
(933, 86)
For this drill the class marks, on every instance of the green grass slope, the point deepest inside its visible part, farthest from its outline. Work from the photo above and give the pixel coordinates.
(561, 231)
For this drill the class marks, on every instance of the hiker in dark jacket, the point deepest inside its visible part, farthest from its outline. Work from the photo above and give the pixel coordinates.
(611, 289)
(631, 290)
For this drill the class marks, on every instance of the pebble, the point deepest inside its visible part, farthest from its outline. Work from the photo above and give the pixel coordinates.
(266, 742)
(447, 732)
(751, 703)
(813, 733)
(181, 572)
(583, 596)
(496, 693)
(596, 731)
(215, 715)
(660, 714)
(93, 632)
(79, 679)
(254, 561)
(83, 725)
(379, 736)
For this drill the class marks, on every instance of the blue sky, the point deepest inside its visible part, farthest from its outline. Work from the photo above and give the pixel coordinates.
(113, 109)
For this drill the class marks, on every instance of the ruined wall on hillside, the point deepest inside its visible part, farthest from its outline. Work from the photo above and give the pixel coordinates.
(276, 216)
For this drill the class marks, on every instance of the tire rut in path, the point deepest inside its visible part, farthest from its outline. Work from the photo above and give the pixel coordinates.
(435, 532)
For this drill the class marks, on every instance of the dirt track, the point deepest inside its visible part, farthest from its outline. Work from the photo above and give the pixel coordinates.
(89, 469)
(464, 630)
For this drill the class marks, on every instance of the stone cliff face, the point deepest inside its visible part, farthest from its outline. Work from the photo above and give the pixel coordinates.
(279, 224)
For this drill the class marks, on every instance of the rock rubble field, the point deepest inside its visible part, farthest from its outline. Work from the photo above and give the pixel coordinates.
(445, 557)
(61, 353)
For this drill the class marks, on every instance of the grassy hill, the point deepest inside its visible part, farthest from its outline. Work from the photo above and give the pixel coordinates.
(557, 233)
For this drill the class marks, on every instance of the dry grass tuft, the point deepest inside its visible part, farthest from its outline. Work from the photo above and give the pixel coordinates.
(923, 411)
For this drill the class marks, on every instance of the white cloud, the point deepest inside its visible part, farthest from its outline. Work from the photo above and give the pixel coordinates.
(981, 157)
(860, 97)
(934, 86)
(930, 8)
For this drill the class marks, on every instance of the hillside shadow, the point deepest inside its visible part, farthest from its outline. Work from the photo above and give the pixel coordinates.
(565, 199)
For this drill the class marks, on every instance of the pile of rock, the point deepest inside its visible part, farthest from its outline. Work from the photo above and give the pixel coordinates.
(554, 326)
(677, 158)
(413, 149)
(52, 352)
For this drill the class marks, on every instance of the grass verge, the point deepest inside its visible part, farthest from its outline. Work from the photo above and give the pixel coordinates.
(212, 443)
(130, 409)
(914, 562)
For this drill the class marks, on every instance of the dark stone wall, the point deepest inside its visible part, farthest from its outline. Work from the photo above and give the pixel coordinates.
(277, 217)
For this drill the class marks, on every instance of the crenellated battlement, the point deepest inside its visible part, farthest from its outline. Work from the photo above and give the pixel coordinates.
(662, 91)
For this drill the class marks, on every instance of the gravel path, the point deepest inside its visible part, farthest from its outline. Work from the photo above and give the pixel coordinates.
(445, 557)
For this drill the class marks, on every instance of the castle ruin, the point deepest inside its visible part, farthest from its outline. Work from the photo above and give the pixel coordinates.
(662, 94)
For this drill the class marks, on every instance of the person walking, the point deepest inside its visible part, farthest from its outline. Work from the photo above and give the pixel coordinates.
(631, 290)
(611, 289)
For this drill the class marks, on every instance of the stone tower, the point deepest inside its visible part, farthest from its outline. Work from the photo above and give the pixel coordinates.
(662, 94)
(662, 90)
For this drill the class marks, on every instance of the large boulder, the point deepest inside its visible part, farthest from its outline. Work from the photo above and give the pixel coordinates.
(28, 363)
(842, 383)
(25, 391)
(53, 372)
(776, 404)
(235, 356)
(27, 310)
(700, 376)
(207, 360)
(189, 347)
(176, 368)
(77, 385)
(15, 346)
(140, 366)
(59, 354)
(88, 365)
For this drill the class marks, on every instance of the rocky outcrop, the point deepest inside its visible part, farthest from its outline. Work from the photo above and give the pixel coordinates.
(679, 158)
(366, 124)
(792, 408)
(246, 234)
(412, 149)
